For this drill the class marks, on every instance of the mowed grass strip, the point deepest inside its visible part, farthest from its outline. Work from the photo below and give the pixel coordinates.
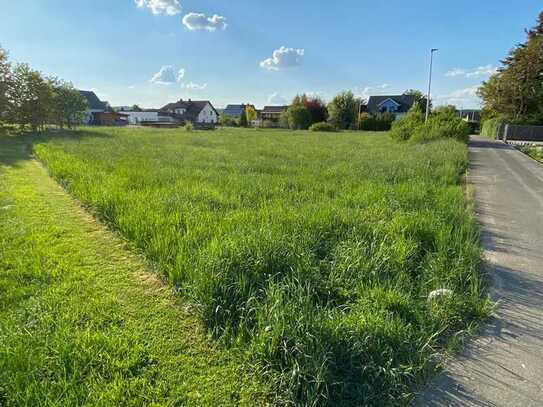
(313, 252)
(83, 321)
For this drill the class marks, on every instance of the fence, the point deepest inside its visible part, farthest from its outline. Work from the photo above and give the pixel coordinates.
(516, 132)
(513, 132)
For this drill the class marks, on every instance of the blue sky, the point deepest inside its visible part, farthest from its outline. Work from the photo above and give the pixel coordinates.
(131, 51)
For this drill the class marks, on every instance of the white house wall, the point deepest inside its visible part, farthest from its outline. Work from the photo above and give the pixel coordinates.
(138, 117)
(208, 115)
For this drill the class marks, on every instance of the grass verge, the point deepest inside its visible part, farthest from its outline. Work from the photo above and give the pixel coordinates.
(83, 321)
(535, 152)
(315, 253)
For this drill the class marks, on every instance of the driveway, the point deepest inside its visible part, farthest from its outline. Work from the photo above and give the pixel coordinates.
(504, 365)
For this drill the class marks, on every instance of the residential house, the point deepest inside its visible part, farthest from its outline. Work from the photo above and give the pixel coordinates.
(272, 114)
(398, 105)
(198, 112)
(235, 111)
(94, 106)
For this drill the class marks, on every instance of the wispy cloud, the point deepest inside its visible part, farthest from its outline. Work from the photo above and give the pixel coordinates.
(167, 75)
(194, 86)
(479, 72)
(169, 7)
(199, 21)
(368, 91)
(275, 99)
(283, 58)
(461, 97)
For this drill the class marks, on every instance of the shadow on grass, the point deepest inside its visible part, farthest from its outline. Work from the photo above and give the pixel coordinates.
(17, 146)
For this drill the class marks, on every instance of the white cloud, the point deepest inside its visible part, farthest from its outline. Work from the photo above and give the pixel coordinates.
(276, 100)
(167, 76)
(456, 72)
(194, 86)
(283, 58)
(169, 7)
(461, 97)
(479, 72)
(315, 94)
(368, 91)
(199, 21)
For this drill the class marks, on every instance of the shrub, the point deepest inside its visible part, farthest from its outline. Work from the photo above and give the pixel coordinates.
(404, 128)
(322, 126)
(381, 122)
(442, 125)
(298, 117)
(490, 128)
(189, 127)
(228, 121)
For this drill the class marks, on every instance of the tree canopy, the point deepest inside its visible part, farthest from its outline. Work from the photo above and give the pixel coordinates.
(28, 98)
(515, 92)
(420, 98)
(315, 105)
(343, 110)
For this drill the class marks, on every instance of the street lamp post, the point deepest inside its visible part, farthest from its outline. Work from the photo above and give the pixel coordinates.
(430, 83)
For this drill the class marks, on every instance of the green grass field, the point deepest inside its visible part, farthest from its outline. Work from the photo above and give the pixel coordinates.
(312, 254)
(85, 322)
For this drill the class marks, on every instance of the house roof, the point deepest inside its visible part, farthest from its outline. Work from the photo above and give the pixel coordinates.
(92, 100)
(234, 110)
(405, 102)
(192, 107)
(274, 109)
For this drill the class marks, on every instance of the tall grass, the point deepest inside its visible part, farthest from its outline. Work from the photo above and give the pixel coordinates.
(313, 252)
(491, 128)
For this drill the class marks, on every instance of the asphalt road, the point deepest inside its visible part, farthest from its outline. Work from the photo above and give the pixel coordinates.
(504, 365)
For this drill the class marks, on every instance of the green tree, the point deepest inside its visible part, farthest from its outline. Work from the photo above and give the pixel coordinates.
(250, 113)
(298, 117)
(68, 105)
(420, 99)
(343, 110)
(5, 80)
(315, 105)
(30, 98)
(243, 118)
(515, 92)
